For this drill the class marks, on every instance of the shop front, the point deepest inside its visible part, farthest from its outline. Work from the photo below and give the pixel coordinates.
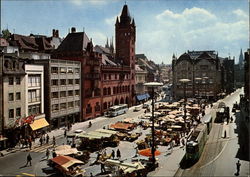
(39, 127)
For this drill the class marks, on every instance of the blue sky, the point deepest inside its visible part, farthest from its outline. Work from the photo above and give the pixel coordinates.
(163, 27)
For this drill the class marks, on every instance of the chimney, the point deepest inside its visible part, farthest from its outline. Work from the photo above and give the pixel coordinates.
(53, 33)
(73, 30)
(57, 33)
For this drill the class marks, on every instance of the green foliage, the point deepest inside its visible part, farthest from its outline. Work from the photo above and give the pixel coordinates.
(6, 33)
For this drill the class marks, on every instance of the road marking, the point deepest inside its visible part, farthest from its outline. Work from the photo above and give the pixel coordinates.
(27, 174)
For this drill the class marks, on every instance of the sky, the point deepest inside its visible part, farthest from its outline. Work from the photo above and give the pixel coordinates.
(163, 27)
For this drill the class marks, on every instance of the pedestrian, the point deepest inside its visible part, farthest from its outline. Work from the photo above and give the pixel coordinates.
(30, 144)
(47, 153)
(118, 154)
(113, 154)
(91, 175)
(54, 141)
(29, 158)
(183, 142)
(102, 167)
(47, 139)
(238, 164)
(53, 153)
(41, 141)
(136, 151)
(65, 133)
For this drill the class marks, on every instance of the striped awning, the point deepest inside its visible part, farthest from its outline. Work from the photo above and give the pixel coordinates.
(39, 123)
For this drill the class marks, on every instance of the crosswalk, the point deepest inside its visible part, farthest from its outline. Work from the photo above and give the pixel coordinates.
(42, 148)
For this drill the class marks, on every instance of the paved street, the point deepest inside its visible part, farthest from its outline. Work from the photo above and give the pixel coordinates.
(220, 154)
(17, 160)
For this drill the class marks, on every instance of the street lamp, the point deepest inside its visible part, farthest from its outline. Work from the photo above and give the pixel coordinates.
(184, 82)
(205, 79)
(153, 85)
(198, 79)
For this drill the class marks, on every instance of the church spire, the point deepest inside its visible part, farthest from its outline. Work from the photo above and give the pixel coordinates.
(125, 16)
(107, 43)
(241, 57)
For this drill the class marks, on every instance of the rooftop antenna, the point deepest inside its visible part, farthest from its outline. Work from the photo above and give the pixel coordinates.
(83, 29)
(125, 2)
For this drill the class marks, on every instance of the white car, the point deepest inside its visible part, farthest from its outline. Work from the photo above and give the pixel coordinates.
(79, 131)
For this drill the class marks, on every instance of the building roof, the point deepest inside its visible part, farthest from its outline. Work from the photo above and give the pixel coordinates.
(30, 43)
(73, 42)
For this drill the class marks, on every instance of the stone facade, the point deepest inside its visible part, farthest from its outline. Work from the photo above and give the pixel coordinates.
(62, 92)
(197, 64)
(107, 78)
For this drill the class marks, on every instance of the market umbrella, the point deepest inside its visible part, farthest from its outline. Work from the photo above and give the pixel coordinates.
(147, 152)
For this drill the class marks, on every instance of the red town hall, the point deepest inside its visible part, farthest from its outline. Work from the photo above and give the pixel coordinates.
(107, 78)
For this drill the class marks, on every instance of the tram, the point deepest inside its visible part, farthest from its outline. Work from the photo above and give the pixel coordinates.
(196, 143)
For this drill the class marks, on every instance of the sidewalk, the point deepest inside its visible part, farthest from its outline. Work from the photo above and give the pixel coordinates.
(57, 133)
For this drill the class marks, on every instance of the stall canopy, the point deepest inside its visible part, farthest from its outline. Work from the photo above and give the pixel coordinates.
(122, 126)
(147, 152)
(66, 161)
(39, 123)
(127, 168)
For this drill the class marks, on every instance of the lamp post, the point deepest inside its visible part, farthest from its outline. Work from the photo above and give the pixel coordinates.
(184, 82)
(205, 79)
(198, 79)
(153, 85)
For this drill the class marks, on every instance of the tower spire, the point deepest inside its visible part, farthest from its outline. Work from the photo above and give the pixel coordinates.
(107, 43)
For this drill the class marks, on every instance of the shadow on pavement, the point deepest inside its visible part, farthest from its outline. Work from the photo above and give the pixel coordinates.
(243, 138)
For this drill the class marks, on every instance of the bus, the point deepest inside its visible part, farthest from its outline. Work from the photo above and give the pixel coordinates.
(117, 110)
(196, 143)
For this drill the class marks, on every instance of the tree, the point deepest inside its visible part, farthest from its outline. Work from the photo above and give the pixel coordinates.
(6, 33)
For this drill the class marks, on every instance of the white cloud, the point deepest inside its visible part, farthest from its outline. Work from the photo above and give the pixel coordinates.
(240, 13)
(192, 29)
(111, 20)
(83, 2)
(98, 37)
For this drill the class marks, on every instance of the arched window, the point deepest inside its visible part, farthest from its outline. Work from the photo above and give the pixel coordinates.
(109, 91)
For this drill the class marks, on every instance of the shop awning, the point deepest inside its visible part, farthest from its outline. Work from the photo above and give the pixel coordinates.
(142, 96)
(39, 123)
